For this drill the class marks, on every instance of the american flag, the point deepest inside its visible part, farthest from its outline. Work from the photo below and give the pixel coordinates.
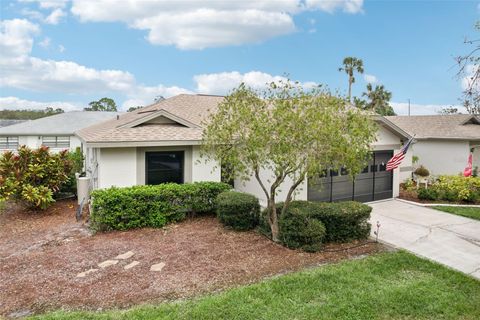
(398, 158)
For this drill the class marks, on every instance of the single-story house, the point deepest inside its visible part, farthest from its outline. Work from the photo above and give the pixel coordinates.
(56, 132)
(161, 143)
(443, 142)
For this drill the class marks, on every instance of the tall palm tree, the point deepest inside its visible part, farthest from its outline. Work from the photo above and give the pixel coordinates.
(379, 100)
(350, 66)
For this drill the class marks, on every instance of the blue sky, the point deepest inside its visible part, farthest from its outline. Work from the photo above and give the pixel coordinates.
(67, 53)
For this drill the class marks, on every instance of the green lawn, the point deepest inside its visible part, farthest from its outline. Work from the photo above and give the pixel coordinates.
(385, 286)
(469, 212)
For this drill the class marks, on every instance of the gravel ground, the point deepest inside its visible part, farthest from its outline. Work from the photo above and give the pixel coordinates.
(42, 253)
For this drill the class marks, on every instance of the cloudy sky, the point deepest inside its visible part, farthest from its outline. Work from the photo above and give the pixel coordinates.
(65, 53)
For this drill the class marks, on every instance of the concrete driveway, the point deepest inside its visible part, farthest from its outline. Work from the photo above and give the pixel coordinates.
(446, 238)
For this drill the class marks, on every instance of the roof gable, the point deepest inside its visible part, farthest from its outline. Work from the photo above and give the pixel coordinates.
(472, 120)
(160, 117)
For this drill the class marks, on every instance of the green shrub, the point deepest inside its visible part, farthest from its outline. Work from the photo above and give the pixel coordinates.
(343, 221)
(238, 210)
(152, 206)
(76, 158)
(300, 230)
(427, 194)
(458, 188)
(33, 176)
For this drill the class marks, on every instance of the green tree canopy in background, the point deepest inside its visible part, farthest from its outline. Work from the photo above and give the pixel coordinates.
(289, 131)
(29, 114)
(104, 104)
(378, 100)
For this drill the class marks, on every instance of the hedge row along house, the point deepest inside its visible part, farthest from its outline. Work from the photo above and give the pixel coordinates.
(161, 143)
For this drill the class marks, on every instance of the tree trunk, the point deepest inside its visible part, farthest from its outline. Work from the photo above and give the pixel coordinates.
(349, 89)
(273, 221)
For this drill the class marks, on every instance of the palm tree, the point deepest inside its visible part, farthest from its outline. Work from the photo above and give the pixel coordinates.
(379, 100)
(351, 65)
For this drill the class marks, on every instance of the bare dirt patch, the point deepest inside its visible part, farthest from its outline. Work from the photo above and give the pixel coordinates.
(41, 255)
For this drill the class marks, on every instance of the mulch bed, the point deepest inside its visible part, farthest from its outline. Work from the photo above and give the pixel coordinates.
(42, 253)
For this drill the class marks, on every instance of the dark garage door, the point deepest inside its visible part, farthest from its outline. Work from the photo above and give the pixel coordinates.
(374, 183)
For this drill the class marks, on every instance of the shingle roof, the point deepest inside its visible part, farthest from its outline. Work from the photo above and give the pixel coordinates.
(60, 124)
(193, 108)
(9, 122)
(440, 126)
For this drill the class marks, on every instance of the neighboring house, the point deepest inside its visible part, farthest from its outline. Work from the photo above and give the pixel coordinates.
(443, 142)
(161, 143)
(56, 132)
(9, 122)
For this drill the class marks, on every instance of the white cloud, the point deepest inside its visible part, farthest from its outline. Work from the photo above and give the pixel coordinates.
(224, 82)
(55, 16)
(45, 43)
(16, 38)
(48, 4)
(348, 6)
(370, 78)
(14, 103)
(61, 48)
(201, 24)
(401, 108)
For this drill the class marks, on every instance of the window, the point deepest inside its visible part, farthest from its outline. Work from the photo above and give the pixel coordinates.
(8, 143)
(57, 142)
(162, 167)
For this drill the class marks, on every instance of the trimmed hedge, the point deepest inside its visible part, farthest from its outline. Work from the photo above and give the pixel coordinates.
(151, 205)
(238, 210)
(299, 230)
(343, 222)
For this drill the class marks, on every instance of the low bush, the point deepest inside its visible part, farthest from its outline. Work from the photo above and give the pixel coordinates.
(238, 210)
(427, 194)
(343, 221)
(300, 230)
(457, 188)
(151, 206)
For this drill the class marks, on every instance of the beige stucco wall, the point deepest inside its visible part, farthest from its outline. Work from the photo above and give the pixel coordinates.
(442, 156)
(203, 170)
(386, 140)
(117, 167)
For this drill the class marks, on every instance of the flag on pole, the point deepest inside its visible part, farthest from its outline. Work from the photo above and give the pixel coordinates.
(469, 168)
(397, 159)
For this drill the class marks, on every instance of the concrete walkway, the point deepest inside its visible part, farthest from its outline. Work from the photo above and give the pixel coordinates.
(446, 238)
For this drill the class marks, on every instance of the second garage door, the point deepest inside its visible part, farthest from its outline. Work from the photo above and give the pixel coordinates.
(374, 183)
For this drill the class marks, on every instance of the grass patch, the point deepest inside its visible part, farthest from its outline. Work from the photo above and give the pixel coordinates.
(395, 285)
(469, 212)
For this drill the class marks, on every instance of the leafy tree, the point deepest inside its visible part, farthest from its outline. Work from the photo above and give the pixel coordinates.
(28, 114)
(378, 100)
(104, 104)
(469, 74)
(291, 132)
(350, 66)
(449, 110)
(134, 108)
(32, 176)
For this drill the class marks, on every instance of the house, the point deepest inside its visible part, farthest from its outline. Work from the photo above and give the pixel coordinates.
(161, 143)
(56, 132)
(443, 142)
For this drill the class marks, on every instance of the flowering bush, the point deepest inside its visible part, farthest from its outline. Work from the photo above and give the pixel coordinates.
(458, 188)
(33, 176)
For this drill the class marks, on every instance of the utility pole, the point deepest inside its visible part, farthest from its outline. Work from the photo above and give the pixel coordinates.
(409, 107)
